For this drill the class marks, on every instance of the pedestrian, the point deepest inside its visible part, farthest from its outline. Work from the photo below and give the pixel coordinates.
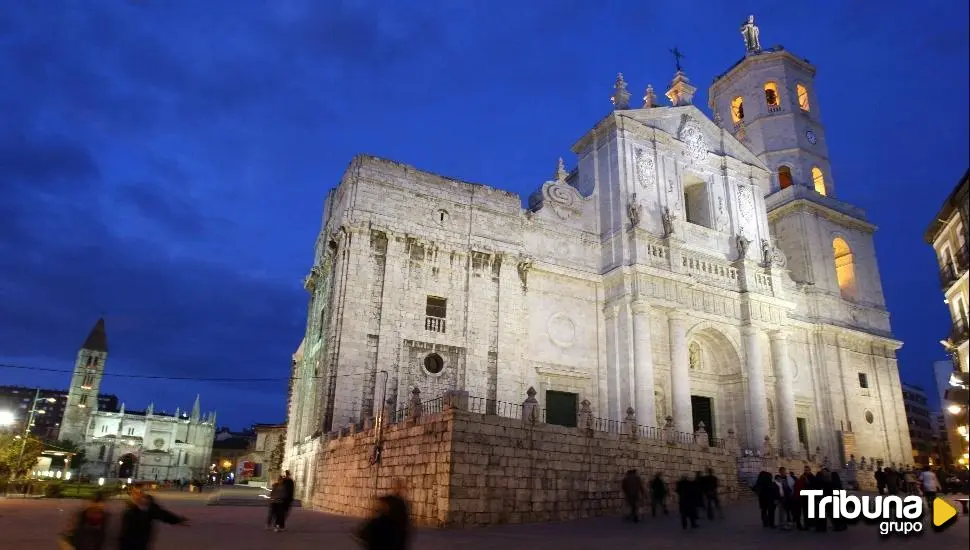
(835, 484)
(767, 493)
(787, 494)
(88, 528)
(893, 480)
(930, 484)
(633, 491)
(711, 499)
(658, 495)
(797, 501)
(289, 495)
(821, 483)
(276, 495)
(140, 514)
(389, 528)
(687, 493)
(880, 481)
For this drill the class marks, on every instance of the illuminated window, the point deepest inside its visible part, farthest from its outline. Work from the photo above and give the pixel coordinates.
(771, 95)
(818, 180)
(737, 109)
(844, 268)
(803, 97)
(784, 177)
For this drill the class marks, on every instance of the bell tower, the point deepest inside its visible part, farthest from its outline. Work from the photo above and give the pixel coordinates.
(82, 397)
(768, 101)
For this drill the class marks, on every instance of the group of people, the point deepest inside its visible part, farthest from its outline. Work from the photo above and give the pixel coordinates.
(905, 481)
(88, 529)
(692, 495)
(783, 505)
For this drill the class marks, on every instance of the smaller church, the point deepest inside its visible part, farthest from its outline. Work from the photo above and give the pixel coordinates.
(143, 445)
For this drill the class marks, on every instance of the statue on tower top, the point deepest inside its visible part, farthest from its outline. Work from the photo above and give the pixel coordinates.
(750, 33)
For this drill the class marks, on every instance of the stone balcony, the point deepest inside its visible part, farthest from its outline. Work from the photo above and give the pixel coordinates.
(794, 193)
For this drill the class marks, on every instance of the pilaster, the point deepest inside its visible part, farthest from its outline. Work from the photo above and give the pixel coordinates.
(680, 372)
(785, 393)
(643, 363)
(612, 362)
(757, 400)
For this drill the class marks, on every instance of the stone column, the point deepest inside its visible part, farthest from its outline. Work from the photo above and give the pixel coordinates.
(785, 393)
(643, 364)
(612, 407)
(757, 401)
(680, 373)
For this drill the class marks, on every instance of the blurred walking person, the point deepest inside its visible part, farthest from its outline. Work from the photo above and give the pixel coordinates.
(140, 514)
(633, 491)
(390, 526)
(658, 495)
(276, 496)
(89, 527)
(687, 497)
(286, 503)
(711, 500)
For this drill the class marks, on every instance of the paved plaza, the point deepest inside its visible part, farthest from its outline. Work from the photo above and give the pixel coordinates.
(32, 524)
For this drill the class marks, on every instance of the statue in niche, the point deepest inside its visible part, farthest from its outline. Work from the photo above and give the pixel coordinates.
(633, 210)
(523, 268)
(751, 35)
(694, 356)
(742, 245)
(766, 252)
(668, 222)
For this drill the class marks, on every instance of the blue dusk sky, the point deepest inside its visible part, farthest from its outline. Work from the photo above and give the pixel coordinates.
(165, 163)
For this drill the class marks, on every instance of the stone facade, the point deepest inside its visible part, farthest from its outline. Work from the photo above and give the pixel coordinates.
(142, 445)
(462, 468)
(670, 271)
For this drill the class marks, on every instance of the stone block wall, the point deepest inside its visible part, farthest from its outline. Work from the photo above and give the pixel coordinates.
(416, 452)
(463, 469)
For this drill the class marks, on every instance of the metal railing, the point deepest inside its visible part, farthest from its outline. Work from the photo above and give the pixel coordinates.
(494, 407)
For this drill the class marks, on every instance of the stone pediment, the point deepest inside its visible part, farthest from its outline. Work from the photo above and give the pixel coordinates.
(691, 127)
(558, 195)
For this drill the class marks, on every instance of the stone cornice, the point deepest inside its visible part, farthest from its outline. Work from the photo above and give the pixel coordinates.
(727, 78)
(804, 205)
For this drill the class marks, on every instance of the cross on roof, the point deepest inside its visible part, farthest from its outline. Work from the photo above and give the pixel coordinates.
(677, 57)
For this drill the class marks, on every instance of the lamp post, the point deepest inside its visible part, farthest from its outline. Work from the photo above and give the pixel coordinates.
(30, 422)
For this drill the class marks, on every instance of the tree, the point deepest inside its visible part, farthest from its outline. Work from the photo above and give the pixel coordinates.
(276, 456)
(11, 461)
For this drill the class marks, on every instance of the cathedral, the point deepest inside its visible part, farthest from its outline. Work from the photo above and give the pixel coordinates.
(145, 445)
(694, 268)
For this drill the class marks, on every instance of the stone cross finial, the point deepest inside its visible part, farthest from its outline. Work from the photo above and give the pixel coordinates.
(530, 407)
(621, 97)
(670, 435)
(414, 404)
(766, 447)
(649, 98)
(630, 422)
(561, 172)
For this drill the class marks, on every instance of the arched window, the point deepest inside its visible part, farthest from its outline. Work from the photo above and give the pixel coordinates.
(844, 268)
(771, 96)
(784, 177)
(818, 180)
(802, 92)
(737, 109)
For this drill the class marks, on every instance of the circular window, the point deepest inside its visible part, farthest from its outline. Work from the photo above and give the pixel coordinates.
(433, 363)
(869, 417)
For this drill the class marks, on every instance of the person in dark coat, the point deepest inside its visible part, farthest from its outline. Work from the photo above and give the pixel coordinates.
(893, 480)
(633, 491)
(880, 481)
(286, 503)
(687, 495)
(137, 521)
(390, 527)
(835, 484)
(276, 496)
(709, 490)
(768, 495)
(89, 528)
(821, 483)
(658, 495)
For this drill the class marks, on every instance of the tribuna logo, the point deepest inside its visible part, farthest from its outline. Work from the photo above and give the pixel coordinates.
(894, 515)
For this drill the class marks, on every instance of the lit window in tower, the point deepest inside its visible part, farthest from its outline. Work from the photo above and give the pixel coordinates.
(844, 268)
(818, 180)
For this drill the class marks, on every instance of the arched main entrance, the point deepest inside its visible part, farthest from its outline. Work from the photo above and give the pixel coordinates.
(126, 465)
(717, 390)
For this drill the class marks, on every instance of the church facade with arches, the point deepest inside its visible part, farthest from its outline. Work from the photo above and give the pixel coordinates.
(145, 445)
(695, 268)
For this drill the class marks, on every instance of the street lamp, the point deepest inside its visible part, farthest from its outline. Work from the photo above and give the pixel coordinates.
(954, 409)
(30, 422)
(7, 418)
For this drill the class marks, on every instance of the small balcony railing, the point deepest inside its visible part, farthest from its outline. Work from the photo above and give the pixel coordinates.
(959, 333)
(962, 259)
(948, 276)
(434, 324)
(774, 108)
